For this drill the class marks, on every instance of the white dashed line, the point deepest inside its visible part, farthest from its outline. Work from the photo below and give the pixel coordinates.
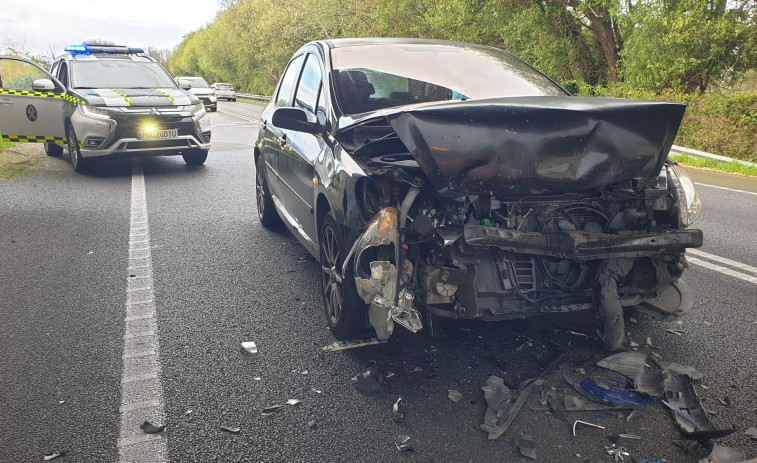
(141, 388)
(721, 268)
(726, 188)
(246, 118)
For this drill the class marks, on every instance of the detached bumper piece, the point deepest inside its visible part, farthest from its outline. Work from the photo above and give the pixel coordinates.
(582, 245)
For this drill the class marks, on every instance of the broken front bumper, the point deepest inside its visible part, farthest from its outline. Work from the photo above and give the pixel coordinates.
(582, 245)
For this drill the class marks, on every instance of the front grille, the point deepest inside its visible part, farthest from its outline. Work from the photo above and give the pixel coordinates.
(524, 269)
(146, 144)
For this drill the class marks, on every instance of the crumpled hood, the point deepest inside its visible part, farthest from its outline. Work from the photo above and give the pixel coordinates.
(536, 145)
(137, 97)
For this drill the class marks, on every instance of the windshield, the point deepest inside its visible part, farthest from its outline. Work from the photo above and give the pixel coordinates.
(119, 74)
(194, 81)
(371, 77)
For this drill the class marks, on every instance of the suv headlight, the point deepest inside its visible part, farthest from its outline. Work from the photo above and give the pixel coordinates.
(198, 110)
(95, 112)
(685, 194)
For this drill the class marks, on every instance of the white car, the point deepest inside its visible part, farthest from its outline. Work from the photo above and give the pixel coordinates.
(225, 91)
(199, 87)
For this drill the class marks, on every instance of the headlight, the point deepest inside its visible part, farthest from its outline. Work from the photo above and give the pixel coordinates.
(94, 112)
(374, 274)
(685, 194)
(198, 110)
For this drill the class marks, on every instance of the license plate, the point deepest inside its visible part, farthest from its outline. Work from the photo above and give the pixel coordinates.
(165, 133)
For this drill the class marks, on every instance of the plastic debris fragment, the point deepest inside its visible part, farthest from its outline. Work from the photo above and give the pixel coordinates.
(676, 332)
(527, 446)
(370, 380)
(751, 432)
(396, 406)
(498, 397)
(188, 412)
(402, 444)
(311, 424)
(250, 347)
(618, 453)
(585, 423)
(270, 410)
(53, 456)
(454, 395)
(612, 394)
(293, 402)
(645, 374)
(230, 429)
(691, 372)
(343, 345)
(150, 428)
(724, 455)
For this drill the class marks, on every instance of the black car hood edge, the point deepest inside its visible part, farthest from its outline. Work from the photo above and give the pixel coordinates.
(532, 145)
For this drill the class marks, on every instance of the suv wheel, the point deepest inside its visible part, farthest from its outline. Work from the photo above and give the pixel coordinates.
(53, 150)
(267, 214)
(195, 158)
(345, 311)
(79, 164)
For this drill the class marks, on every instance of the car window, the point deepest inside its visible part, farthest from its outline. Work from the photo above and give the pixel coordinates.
(284, 95)
(19, 75)
(195, 81)
(119, 74)
(310, 83)
(371, 77)
(63, 74)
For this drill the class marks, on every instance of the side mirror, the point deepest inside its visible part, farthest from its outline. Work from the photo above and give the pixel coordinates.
(295, 119)
(43, 85)
(184, 84)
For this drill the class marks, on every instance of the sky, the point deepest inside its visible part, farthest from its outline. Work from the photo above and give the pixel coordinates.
(38, 26)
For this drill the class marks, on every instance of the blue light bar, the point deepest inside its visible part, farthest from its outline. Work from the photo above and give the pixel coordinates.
(76, 48)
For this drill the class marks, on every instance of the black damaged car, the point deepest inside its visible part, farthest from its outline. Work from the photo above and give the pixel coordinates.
(455, 180)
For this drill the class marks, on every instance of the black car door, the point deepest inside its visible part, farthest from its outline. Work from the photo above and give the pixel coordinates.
(299, 154)
(275, 139)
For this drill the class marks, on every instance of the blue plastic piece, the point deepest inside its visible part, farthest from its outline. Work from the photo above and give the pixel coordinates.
(612, 395)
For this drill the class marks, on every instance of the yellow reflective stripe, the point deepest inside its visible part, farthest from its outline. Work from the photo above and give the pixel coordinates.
(32, 139)
(65, 96)
(124, 96)
(170, 98)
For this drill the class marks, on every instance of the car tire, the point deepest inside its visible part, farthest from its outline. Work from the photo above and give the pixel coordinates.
(195, 158)
(267, 214)
(232, 99)
(213, 109)
(345, 310)
(79, 163)
(53, 150)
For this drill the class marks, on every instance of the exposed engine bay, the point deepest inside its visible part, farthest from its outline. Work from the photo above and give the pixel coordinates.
(472, 242)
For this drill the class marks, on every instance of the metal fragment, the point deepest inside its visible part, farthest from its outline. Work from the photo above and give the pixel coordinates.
(230, 429)
(53, 456)
(343, 345)
(585, 423)
(454, 395)
(250, 347)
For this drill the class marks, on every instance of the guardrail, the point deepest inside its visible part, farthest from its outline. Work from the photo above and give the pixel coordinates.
(701, 154)
(254, 97)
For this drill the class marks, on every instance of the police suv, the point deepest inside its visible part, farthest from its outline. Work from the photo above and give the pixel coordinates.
(101, 102)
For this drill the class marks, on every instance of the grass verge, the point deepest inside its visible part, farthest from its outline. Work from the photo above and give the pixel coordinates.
(14, 163)
(733, 167)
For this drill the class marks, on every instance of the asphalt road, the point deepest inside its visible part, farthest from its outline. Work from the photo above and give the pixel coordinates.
(219, 279)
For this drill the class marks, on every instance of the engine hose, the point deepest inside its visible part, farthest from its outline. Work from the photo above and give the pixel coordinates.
(610, 308)
(406, 203)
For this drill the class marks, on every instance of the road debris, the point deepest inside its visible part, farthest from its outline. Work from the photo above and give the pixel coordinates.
(724, 455)
(343, 345)
(230, 429)
(270, 410)
(618, 453)
(250, 347)
(293, 402)
(402, 444)
(725, 401)
(188, 412)
(612, 394)
(398, 411)
(585, 423)
(636, 365)
(53, 456)
(150, 428)
(751, 432)
(676, 332)
(317, 391)
(526, 446)
(691, 372)
(370, 380)
(454, 395)
(312, 425)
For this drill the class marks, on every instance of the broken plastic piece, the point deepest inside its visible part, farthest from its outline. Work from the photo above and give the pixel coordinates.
(343, 345)
(676, 332)
(270, 410)
(150, 428)
(751, 432)
(53, 456)
(369, 381)
(230, 429)
(188, 412)
(396, 406)
(618, 453)
(454, 395)
(612, 394)
(691, 372)
(317, 391)
(585, 423)
(724, 455)
(311, 424)
(498, 397)
(250, 347)
(402, 444)
(293, 402)
(527, 446)
(645, 374)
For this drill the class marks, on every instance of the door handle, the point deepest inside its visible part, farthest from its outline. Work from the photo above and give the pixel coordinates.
(6, 102)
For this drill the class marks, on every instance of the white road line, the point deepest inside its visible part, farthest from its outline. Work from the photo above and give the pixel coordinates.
(724, 270)
(247, 118)
(726, 188)
(722, 260)
(141, 388)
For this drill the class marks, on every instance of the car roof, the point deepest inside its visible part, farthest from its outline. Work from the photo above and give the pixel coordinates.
(352, 42)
